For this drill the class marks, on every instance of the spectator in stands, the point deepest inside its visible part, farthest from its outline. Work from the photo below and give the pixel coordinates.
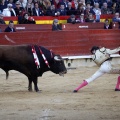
(23, 3)
(91, 2)
(26, 19)
(56, 26)
(57, 3)
(81, 19)
(2, 5)
(113, 9)
(10, 2)
(46, 3)
(90, 18)
(107, 24)
(51, 11)
(116, 17)
(97, 11)
(42, 6)
(75, 4)
(80, 9)
(10, 27)
(65, 3)
(109, 3)
(105, 9)
(36, 10)
(69, 9)
(1, 19)
(118, 5)
(29, 8)
(18, 10)
(72, 19)
(61, 11)
(9, 11)
(88, 10)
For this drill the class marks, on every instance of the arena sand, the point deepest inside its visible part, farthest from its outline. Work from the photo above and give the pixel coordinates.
(56, 101)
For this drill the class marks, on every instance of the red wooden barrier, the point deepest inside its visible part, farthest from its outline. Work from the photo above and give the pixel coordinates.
(67, 26)
(29, 27)
(65, 43)
(78, 26)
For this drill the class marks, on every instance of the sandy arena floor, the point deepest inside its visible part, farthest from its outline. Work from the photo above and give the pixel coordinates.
(97, 101)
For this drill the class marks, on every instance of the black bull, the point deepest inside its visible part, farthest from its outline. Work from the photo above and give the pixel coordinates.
(20, 58)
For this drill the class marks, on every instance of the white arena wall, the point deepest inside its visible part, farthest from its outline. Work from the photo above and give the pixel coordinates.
(78, 61)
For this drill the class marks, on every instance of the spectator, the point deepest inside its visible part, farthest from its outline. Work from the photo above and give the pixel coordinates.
(80, 9)
(36, 10)
(18, 10)
(42, 6)
(23, 3)
(96, 9)
(72, 19)
(91, 2)
(75, 4)
(10, 27)
(90, 18)
(9, 11)
(81, 19)
(2, 5)
(109, 3)
(10, 2)
(56, 26)
(116, 18)
(113, 8)
(29, 8)
(61, 11)
(26, 19)
(57, 3)
(51, 11)
(46, 3)
(118, 5)
(65, 3)
(107, 24)
(88, 10)
(1, 19)
(105, 9)
(69, 9)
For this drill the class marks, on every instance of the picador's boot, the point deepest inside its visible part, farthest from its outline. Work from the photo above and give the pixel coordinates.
(84, 83)
(118, 84)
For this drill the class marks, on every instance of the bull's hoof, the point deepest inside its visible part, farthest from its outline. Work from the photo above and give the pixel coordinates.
(37, 90)
(75, 91)
(30, 90)
(117, 89)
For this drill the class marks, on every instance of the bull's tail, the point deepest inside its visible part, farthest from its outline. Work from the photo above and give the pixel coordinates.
(7, 74)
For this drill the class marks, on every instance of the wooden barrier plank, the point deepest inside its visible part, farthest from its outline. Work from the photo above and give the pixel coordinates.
(66, 43)
(67, 26)
(77, 26)
(29, 27)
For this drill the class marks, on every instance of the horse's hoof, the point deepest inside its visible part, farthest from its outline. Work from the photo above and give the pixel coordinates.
(75, 91)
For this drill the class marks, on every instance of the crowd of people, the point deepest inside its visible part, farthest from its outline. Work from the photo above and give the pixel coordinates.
(59, 7)
(85, 10)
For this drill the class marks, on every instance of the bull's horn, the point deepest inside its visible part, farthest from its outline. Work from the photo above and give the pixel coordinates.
(57, 59)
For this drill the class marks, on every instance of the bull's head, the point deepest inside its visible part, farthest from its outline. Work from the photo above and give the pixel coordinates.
(58, 65)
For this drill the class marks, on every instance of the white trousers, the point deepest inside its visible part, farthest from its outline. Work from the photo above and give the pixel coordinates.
(105, 67)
